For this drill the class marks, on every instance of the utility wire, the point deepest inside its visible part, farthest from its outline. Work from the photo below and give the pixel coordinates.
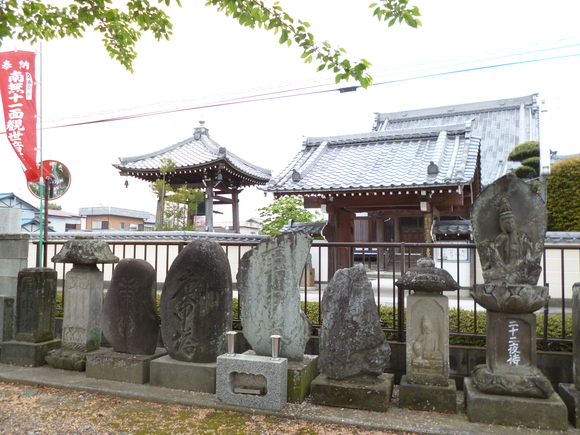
(278, 93)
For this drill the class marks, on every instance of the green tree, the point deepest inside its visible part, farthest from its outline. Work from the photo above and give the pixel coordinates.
(181, 208)
(528, 154)
(282, 210)
(564, 195)
(54, 206)
(121, 28)
(160, 187)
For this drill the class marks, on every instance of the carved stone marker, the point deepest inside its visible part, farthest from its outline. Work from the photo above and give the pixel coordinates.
(35, 318)
(352, 342)
(509, 225)
(83, 290)
(129, 318)
(268, 281)
(353, 348)
(426, 385)
(196, 303)
(13, 258)
(196, 313)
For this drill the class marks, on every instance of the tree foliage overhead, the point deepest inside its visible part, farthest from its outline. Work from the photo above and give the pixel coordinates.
(564, 195)
(282, 210)
(33, 20)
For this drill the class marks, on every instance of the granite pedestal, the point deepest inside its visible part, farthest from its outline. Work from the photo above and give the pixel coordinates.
(24, 353)
(372, 395)
(433, 398)
(171, 373)
(300, 376)
(253, 381)
(550, 413)
(571, 397)
(123, 367)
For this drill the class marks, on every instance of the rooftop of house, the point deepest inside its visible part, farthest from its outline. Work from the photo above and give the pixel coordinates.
(380, 160)
(501, 125)
(114, 211)
(195, 154)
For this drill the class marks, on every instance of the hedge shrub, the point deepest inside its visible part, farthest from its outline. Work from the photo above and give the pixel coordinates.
(564, 195)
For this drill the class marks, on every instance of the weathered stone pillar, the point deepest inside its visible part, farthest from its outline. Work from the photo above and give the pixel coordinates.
(83, 299)
(570, 393)
(426, 385)
(13, 258)
(35, 318)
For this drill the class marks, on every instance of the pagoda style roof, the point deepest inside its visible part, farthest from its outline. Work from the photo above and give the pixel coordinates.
(195, 158)
(382, 160)
(501, 125)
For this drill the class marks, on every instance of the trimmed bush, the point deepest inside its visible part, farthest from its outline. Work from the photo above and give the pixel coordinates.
(524, 151)
(525, 172)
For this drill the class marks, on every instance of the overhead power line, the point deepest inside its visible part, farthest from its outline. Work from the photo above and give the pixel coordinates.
(405, 73)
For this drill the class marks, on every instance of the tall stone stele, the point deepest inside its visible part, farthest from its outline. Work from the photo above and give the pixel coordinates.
(83, 300)
(268, 282)
(196, 303)
(129, 317)
(509, 225)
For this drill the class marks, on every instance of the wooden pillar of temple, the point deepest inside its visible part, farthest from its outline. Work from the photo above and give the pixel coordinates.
(236, 211)
(339, 229)
(209, 198)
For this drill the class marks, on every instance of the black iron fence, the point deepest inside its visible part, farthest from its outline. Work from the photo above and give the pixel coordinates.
(385, 263)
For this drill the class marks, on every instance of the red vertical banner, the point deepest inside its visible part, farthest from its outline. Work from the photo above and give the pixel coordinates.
(18, 91)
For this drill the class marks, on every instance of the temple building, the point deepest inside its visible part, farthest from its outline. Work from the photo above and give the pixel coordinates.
(200, 162)
(414, 169)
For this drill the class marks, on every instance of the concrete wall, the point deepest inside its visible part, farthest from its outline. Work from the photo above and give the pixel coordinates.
(13, 258)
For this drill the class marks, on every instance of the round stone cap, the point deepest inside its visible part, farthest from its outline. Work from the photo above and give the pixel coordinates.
(85, 250)
(425, 277)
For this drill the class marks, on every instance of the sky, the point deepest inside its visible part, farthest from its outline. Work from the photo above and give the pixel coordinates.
(464, 52)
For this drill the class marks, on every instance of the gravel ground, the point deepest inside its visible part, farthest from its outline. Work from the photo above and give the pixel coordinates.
(30, 410)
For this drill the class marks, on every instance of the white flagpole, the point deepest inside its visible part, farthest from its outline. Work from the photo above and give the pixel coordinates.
(42, 229)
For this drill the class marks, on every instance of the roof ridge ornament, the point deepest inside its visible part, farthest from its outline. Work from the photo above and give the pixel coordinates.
(200, 130)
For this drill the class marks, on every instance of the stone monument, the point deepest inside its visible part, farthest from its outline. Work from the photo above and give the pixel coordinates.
(570, 393)
(509, 224)
(196, 313)
(35, 319)
(268, 280)
(353, 348)
(268, 284)
(426, 385)
(13, 258)
(130, 324)
(83, 299)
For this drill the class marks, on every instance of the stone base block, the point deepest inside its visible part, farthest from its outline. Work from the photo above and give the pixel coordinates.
(428, 397)
(300, 376)
(67, 359)
(180, 375)
(354, 394)
(6, 318)
(534, 413)
(123, 367)
(22, 353)
(571, 398)
(253, 381)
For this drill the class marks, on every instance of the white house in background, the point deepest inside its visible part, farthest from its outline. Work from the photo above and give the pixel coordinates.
(58, 220)
(115, 218)
(251, 226)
